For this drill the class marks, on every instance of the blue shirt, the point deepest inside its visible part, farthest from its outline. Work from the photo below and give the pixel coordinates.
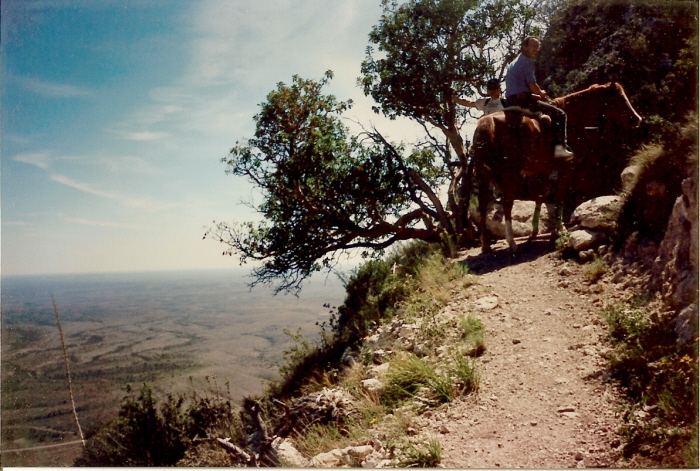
(521, 72)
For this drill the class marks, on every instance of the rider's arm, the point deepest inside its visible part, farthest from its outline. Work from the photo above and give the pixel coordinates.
(536, 90)
(463, 102)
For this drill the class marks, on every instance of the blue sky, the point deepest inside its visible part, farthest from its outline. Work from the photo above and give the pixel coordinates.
(115, 115)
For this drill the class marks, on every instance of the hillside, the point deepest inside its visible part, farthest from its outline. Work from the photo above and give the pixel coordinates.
(579, 352)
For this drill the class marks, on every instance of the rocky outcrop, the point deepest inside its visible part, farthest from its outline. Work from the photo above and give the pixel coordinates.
(675, 271)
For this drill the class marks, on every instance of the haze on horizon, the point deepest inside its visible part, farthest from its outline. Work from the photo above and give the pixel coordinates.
(115, 115)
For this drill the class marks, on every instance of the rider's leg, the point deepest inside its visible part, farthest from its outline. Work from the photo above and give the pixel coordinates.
(558, 127)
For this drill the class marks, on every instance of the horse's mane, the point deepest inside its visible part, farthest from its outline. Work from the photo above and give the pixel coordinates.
(575, 97)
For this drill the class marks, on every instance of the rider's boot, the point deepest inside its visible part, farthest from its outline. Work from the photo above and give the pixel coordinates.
(562, 152)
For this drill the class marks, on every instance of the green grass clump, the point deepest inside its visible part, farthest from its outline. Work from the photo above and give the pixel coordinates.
(420, 454)
(465, 373)
(595, 270)
(473, 335)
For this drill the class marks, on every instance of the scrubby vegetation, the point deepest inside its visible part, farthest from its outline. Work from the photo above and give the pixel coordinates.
(149, 432)
(660, 376)
(411, 284)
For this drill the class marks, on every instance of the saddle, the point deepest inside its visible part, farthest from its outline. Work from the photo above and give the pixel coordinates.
(515, 115)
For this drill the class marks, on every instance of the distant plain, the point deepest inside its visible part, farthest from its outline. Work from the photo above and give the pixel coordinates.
(161, 328)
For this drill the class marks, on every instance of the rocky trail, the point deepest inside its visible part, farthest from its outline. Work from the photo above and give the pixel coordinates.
(543, 401)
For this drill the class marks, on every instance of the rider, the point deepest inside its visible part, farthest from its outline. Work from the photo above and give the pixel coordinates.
(523, 91)
(488, 105)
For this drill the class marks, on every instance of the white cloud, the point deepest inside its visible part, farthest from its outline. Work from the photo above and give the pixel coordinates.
(145, 135)
(38, 159)
(17, 223)
(53, 89)
(107, 224)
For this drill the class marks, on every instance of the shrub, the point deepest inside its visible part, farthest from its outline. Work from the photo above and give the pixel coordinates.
(655, 370)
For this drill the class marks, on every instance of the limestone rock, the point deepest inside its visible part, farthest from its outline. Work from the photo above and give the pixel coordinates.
(352, 456)
(675, 270)
(372, 384)
(629, 176)
(597, 214)
(584, 239)
(286, 453)
(327, 405)
(487, 303)
(521, 217)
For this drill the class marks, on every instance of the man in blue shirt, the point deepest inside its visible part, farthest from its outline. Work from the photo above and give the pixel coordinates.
(522, 90)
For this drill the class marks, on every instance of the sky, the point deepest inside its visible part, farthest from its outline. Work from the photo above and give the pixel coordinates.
(116, 115)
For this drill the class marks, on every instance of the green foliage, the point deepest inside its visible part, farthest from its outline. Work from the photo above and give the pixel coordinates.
(656, 371)
(649, 200)
(464, 372)
(431, 49)
(323, 190)
(406, 375)
(149, 433)
(143, 434)
(649, 46)
(595, 270)
(473, 335)
(420, 454)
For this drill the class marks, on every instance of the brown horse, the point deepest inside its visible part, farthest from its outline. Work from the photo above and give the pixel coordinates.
(510, 144)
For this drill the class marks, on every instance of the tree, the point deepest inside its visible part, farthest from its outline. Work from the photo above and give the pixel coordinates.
(428, 51)
(325, 191)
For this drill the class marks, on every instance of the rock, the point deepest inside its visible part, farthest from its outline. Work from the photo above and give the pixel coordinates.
(584, 239)
(586, 256)
(351, 456)
(487, 303)
(684, 324)
(629, 176)
(331, 459)
(597, 214)
(566, 409)
(516, 341)
(378, 370)
(286, 453)
(675, 270)
(578, 456)
(407, 332)
(327, 405)
(521, 218)
(372, 384)
(360, 452)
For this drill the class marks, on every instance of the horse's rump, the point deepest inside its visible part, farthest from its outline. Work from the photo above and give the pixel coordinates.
(508, 138)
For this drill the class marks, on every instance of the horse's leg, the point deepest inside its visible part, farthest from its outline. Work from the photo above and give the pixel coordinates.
(558, 220)
(507, 211)
(536, 220)
(483, 209)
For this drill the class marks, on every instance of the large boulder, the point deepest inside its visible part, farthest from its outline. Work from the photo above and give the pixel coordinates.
(521, 217)
(598, 214)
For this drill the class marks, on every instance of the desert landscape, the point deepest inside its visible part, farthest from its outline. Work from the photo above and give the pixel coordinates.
(174, 330)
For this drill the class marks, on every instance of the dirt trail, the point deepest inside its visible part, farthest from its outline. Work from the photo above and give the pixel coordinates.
(543, 402)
